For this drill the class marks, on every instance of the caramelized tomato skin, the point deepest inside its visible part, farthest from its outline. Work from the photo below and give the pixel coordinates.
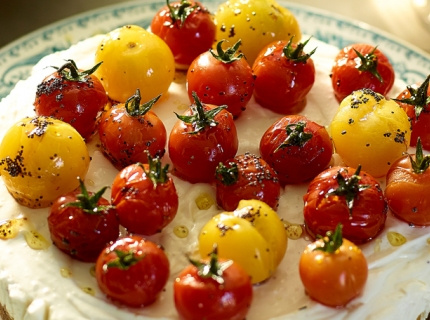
(346, 77)
(322, 212)
(79, 234)
(231, 300)
(195, 156)
(296, 164)
(194, 37)
(78, 103)
(142, 207)
(406, 193)
(333, 279)
(125, 138)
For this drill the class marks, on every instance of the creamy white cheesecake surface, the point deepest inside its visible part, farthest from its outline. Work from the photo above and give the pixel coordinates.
(47, 284)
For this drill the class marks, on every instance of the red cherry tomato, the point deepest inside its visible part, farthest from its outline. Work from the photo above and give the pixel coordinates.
(296, 148)
(132, 271)
(145, 197)
(128, 130)
(221, 78)
(347, 196)
(414, 101)
(82, 223)
(284, 76)
(361, 66)
(246, 177)
(202, 138)
(188, 29)
(213, 289)
(333, 270)
(408, 182)
(73, 96)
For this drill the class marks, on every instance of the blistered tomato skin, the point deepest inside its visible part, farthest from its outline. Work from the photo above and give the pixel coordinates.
(256, 22)
(189, 38)
(340, 195)
(41, 159)
(284, 75)
(134, 58)
(370, 131)
(253, 235)
(78, 102)
(348, 74)
(132, 271)
(296, 148)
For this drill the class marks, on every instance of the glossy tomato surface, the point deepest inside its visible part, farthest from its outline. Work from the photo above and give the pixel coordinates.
(195, 155)
(78, 103)
(143, 207)
(220, 83)
(82, 235)
(188, 36)
(406, 192)
(125, 138)
(324, 210)
(132, 271)
(281, 83)
(198, 297)
(297, 155)
(347, 77)
(333, 279)
(246, 177)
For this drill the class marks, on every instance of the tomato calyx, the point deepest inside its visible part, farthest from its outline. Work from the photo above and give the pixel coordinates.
(135, 109)
(69, 71)
(124, 260)
(296, 135)
(88, 203)
(227, 176)
(296, 54)
(348, 187)
(229, 55)
(155, 172)
(332, 240)
(212, 269)
(418, 98)
(181, 11)
(369, 62)
(421, 162)
(200, 119)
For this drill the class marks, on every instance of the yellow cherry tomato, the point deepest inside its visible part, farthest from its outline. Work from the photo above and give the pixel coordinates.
(256, 22)
(134, 58)
(370, 131)
(42, 158)
(253, 236)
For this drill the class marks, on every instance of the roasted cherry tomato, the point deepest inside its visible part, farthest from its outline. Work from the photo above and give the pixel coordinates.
(132, 271)
(284, 76)
(414, 100)
(253, 235)
(348, 196)
(408, 182)
(128, 130)
(296, 148)
(41, 159)
(202, 138)
(246, 177)
(359, 66)
(134, 58)
(145, 197)
(73, 96)
(256, 22)
(333, 270)
(370, 131)
(82, 223)
(221, 77)
(188, 29)
(213, 289)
